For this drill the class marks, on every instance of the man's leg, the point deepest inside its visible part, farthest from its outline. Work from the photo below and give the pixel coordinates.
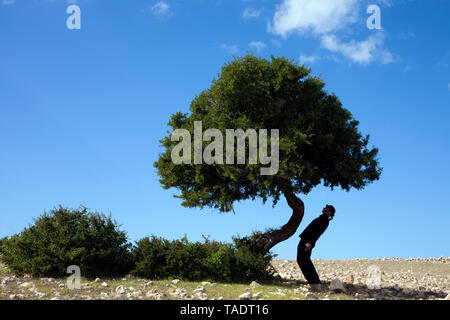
(306, 265)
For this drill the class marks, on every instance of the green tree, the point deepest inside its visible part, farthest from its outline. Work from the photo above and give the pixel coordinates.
(319, 140)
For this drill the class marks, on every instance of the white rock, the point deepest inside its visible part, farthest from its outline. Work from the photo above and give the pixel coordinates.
(201, 295)
(349, 279)
(104, 284)
(152, 292)
(97, 280)
(337, 286)
(245, 296)
(200, 289)
(26, 284)
(120, 290)
(9, 279)
(254, 284)
(176, 281)
(278, 293)
(447, 297)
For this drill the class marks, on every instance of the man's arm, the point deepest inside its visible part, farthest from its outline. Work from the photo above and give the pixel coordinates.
(317, 230)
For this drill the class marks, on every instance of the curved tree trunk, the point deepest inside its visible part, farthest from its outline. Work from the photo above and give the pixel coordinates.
(270, 239)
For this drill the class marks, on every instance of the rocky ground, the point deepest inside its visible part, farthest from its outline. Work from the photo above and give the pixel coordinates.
(360, 279)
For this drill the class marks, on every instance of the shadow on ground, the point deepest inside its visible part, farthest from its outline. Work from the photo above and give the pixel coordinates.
(364, 291)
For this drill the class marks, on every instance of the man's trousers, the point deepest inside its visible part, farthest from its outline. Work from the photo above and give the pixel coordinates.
(305, 263)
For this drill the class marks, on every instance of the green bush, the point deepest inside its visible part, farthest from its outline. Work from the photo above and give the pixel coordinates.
(241, 261)
(65, 237)
(2, 240)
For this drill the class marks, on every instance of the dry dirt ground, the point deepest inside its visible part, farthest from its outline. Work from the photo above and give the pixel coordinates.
(361, 279)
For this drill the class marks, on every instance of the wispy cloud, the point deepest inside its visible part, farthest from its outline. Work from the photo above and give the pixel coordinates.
(259, 46)
(385, 3)
(318, 16)
(160, 9)
(8, 2)
(231, 49)
(362, 52)
(328, 20)
(251, 13)
(308, 59)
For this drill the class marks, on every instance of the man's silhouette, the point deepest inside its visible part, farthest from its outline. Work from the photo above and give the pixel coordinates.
(308, 240)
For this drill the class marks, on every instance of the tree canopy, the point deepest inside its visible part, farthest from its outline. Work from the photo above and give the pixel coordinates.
(319, 140)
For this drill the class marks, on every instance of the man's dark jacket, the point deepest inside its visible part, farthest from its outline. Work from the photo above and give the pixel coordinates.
(315, 229)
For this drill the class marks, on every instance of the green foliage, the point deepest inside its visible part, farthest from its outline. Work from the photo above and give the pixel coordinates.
(319, 139)
(157, 258)
(65, 237)
(2, 240)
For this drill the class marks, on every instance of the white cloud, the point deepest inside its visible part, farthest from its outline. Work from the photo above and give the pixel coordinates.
(363, 52)
(327, 20)
(231, 49)
(251, 13)
(317, 16)
(386, 3)
(8, 1)
(308, 59)
(161, 9)
(258, 45)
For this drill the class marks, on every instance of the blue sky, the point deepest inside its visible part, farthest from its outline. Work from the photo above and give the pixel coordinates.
(82, 112)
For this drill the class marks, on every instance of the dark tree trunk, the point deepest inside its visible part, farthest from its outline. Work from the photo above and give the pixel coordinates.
(270, 239)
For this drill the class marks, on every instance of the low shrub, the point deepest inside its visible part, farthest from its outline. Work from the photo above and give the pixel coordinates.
(65, 237)
(94, 242)
(241, 261)
(1, 242)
